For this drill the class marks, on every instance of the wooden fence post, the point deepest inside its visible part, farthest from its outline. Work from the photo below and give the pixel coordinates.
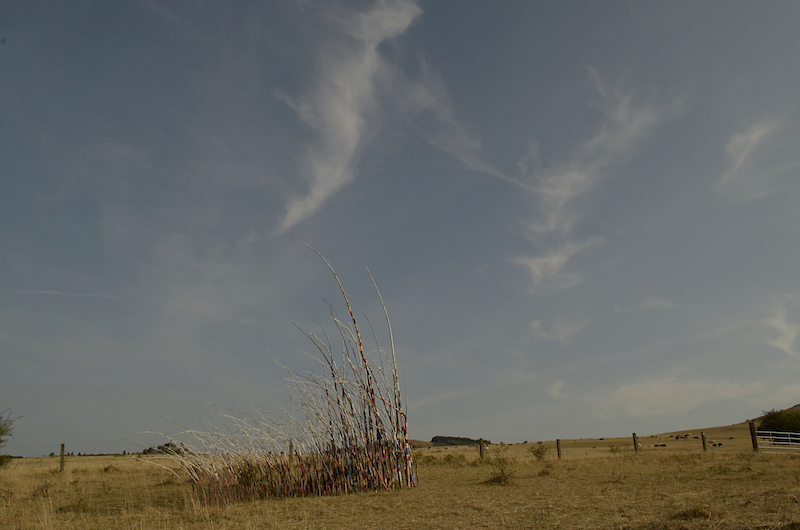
(480, 447)
(558, 448)
(61, 467)
(753, 436)
(635, 443)
(705, 445)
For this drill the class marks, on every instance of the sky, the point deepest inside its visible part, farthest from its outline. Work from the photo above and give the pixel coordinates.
(583, 217)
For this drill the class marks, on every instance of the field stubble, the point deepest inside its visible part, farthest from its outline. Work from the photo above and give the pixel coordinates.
(594, 486)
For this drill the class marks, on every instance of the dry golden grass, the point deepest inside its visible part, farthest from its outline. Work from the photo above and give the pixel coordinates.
(674, 488)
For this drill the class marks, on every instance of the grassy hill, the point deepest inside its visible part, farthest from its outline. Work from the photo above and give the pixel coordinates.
(736, 437)
(599, 484)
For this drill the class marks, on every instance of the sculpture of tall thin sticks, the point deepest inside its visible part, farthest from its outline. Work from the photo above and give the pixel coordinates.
(351, 434)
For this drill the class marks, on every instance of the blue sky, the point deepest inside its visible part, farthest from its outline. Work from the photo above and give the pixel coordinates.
(583, 216)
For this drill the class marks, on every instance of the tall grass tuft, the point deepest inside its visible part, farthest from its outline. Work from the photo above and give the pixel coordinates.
(351, 433)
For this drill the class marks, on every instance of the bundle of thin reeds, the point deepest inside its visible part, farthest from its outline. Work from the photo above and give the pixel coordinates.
(351, 434)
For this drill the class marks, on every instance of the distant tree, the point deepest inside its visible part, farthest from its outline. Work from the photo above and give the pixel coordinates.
(455, 440)
(780, 420)
(6, 426)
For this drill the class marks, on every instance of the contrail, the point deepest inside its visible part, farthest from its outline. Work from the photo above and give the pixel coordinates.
(58, 293)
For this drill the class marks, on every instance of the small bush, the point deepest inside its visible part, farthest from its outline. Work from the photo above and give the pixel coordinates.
(447, 460)
(42, 490)
(455, 460)
(539, 452)
(427, 460)
(780, 420)
(502, 474)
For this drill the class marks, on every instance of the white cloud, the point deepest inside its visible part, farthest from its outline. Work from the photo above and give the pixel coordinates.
(554, 193)
(757, 160)
(741, 145)
(787, 332)
(627, 121)
(560, 330)
(550, 269)
(664, 396)
(554, 389)
(339, 107)
(429, 96)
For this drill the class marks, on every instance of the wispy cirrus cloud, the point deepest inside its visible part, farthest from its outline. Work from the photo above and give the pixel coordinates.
(427, 97)
(550, 268)
(60, 293)
(758, 159)
(629, 118)
(787, 332)
(340, 106)
(560, 330)
(554, 389)
(356, 90)
(668, 395)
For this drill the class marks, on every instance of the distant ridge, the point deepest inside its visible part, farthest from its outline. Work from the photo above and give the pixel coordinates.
(445, 441)
(794, 409)
(742, 425)
(455, 440)
(711, 431)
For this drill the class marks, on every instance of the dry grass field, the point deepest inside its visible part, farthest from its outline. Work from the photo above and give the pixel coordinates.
(600, 484)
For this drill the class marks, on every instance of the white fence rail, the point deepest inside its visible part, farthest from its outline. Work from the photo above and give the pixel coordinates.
(778, 442)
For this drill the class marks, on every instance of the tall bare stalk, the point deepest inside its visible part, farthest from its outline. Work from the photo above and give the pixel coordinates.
(351, 433)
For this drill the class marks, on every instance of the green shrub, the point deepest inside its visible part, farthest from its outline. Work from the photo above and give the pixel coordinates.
(6, 426)
(456, 440)
(780, 420)
(502, 474)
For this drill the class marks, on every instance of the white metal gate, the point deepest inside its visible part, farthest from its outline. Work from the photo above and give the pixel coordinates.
(778, 442)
